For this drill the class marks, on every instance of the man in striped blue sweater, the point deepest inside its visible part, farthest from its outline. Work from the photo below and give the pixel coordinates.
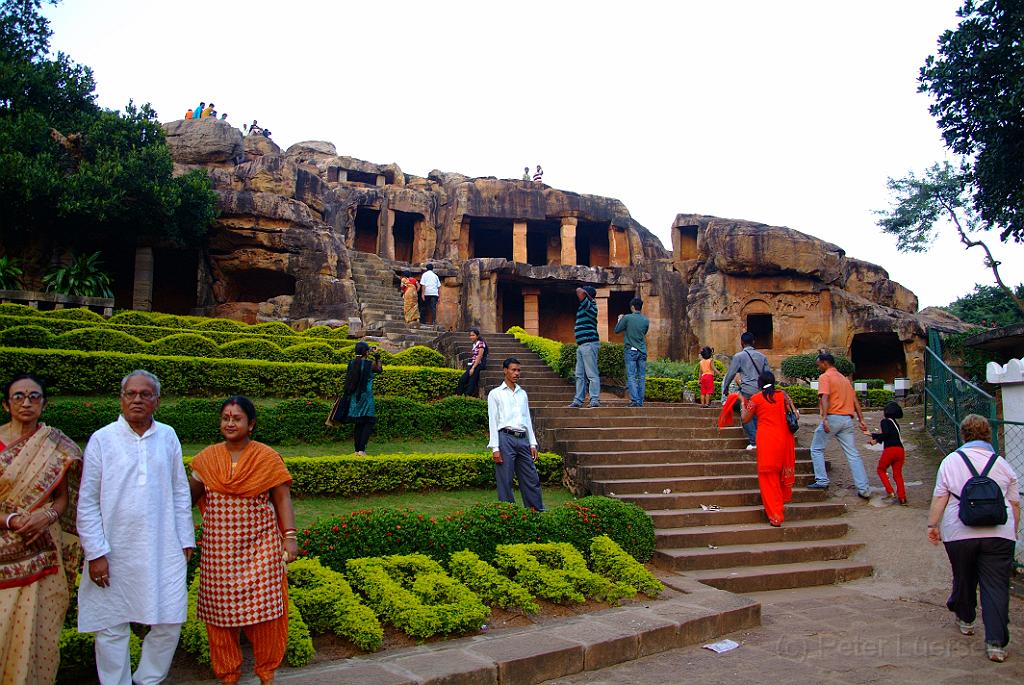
(587, 345)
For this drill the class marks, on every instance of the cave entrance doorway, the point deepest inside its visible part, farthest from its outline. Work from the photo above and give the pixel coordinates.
(618, 305)
(490, 238)
(259, 285)
(878, 355)
(761, 327)
(687, 242)
(592, 243)
(542, 242)
(176, 280)
(510, 305)
(404, 234)
(367, 220)
(557, 306)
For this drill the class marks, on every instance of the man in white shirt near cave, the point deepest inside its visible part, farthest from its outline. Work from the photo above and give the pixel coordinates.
(512, 442)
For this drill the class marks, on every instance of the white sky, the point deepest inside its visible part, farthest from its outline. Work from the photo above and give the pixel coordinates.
(793, 113)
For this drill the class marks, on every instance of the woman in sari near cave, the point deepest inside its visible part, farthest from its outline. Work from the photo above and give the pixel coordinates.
(410, 298)
(776, 446)
(244, 493)
(40, 469)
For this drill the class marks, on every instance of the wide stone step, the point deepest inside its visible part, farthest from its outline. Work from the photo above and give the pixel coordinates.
(722, 498)
(795, 511)
(709, 537)
(666, 486)
(689, 559)
(650, 409)
(612, 472)
(652, 444)
(630, 457)
(576, 421)
(598, 431)
(782, 576)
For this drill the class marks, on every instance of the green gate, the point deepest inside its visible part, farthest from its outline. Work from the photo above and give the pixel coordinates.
(948, 398)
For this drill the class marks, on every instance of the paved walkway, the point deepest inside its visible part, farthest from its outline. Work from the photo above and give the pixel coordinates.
(833, 635)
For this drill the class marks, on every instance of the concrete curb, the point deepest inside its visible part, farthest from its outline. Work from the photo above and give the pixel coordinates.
(542, 652)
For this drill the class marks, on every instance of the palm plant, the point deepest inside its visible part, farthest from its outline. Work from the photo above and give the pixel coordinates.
(83, 277)
(10, 273)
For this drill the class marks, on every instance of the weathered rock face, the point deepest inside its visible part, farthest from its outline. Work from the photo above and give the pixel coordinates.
(511, 252)
(797, 294)
(210, 142)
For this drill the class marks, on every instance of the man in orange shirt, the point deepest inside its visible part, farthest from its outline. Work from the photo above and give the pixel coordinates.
(838, 405)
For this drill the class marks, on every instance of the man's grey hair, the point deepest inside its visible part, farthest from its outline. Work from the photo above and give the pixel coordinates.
(145, 374)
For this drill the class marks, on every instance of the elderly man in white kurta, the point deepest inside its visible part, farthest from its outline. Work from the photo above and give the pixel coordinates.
(135, 524)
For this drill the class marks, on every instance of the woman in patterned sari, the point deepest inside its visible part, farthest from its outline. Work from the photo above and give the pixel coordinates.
(243, 491)
(410, 298)
(40, 469)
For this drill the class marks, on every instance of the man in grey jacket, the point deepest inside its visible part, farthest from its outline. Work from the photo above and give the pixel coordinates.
(749, 364)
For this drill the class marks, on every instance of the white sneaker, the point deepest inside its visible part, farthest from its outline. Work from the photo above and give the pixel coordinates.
(751, 447)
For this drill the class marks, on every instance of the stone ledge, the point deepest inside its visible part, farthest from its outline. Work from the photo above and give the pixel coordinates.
(533, 654)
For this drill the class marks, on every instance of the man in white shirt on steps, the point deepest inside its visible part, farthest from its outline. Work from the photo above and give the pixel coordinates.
(430, 290)
(512, 442)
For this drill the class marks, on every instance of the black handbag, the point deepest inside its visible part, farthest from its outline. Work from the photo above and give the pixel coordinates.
(792, 418)
(339, 412)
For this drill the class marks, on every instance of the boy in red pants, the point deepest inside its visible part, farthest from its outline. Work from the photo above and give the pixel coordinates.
(893, 454)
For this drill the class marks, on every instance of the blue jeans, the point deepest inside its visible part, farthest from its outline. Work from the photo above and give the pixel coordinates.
(586, 370)
(636, 375)
(845, 431)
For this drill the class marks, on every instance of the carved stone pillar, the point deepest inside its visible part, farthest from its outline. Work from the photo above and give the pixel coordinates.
(142, 291)
(531, 310)
(618, 246)
(519, 242)
(569, 241)
(385, 234)
(602, 313)
(464, 246)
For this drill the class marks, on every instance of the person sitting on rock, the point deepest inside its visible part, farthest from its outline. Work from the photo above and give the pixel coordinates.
(197, 113)
(526, 173)
(538, 176)
(254, 130)
(209, 111)
(189, 114)
(224, 117)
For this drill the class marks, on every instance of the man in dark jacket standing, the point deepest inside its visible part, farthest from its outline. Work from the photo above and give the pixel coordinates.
(587, 345)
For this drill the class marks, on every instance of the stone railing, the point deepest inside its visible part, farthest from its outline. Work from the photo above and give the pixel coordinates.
(100, 305)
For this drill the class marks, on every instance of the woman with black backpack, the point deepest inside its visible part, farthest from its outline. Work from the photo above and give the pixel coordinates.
(975, 512)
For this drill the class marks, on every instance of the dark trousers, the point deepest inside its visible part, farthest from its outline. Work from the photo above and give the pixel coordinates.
(429, 306)
(984, 561)
(469, 382)
(361, 430)
(516, 461)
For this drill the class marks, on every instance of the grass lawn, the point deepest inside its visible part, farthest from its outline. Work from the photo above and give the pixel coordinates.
(432, 503)
(477, 445)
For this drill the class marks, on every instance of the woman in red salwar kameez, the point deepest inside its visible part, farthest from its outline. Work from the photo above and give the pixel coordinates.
(776, 447)
(243, 491)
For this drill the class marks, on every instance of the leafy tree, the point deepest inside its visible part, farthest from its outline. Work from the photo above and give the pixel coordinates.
(988, 306)
(75, 173)
(922, 202)
(977, 81)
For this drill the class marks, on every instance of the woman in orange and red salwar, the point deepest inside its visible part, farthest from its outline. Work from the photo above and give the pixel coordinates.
(243, 491)
(40, 469)
(776, 447)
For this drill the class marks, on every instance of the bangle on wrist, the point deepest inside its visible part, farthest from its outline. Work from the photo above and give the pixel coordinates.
(931, 526)
(7, 521)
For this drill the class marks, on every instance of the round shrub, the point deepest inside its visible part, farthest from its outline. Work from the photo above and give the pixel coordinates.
(318, 352)
(229, 325)
(252, 349)
(184, 345)
(132, 318)
(12, 309)
(318, 332)
(418, 355)
(98, 340)
(77, 314)
(272, 328)
(805, 367)
(26, 336)
(172, 321)
(579, 521)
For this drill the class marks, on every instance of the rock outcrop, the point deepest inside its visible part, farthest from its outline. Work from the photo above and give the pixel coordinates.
(512, 252)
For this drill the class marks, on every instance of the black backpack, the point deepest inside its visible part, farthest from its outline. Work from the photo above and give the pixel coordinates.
(981, 498)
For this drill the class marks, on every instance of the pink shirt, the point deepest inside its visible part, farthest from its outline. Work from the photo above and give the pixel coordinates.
(953, 473)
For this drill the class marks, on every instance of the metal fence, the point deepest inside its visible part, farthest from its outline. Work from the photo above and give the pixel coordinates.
(948, 398)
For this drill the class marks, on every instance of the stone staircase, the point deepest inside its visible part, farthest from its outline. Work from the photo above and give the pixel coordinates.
(380, 302)
(698, 483)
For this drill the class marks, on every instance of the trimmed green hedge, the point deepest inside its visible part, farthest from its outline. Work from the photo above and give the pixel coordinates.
(805, 367)
(151, 331)
(284, 422)
(479, 529)
(878, 397)
(91, 373)
(664, 390)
